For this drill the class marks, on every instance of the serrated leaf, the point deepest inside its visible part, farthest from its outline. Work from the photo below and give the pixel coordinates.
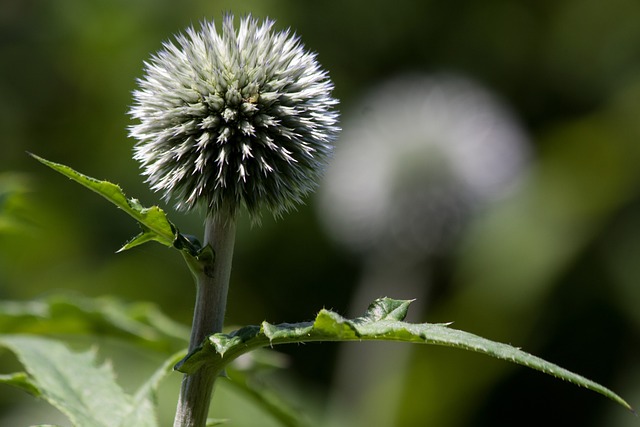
(75, 384)
(154, 221)
(144, 237)
(386, 309)
(382, 322)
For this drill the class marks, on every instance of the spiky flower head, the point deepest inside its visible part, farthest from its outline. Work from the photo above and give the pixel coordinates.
(238, 117)
(421, 155)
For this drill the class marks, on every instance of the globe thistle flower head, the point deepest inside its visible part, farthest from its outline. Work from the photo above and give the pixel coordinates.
(421, 155)
(240, 117)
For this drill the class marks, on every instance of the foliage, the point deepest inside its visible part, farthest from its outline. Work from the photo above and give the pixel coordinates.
(153, 221)
(554, 269)
(383, 321)
(67, 372)
(86, 393)
(76, 385)
(79, 387)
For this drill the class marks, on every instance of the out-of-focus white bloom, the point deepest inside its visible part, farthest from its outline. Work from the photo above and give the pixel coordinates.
(416, 157)
(240, 117)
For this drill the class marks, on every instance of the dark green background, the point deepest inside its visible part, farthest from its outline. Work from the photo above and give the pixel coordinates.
(554, 270)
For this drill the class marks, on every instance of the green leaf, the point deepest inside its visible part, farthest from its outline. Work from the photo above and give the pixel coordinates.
(144, 237)
(145, 400)
(383, 321)
(73, 382)
(15, 212)
(154, 222)
(141, 322)
(22, 381)
(86, 393)
(248, 377)
(268, 400)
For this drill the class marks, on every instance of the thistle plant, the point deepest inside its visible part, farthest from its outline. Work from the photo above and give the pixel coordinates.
(240, 118)
(226, 120)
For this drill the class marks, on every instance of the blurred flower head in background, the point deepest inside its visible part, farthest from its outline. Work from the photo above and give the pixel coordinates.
(240, 117)
(418, 156)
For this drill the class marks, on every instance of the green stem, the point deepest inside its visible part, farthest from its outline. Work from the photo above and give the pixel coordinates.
(212, 282)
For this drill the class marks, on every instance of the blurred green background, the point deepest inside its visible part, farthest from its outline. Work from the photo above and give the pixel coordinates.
(553, 269)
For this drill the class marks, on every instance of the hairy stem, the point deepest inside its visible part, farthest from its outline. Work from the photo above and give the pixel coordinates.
(212, 282)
